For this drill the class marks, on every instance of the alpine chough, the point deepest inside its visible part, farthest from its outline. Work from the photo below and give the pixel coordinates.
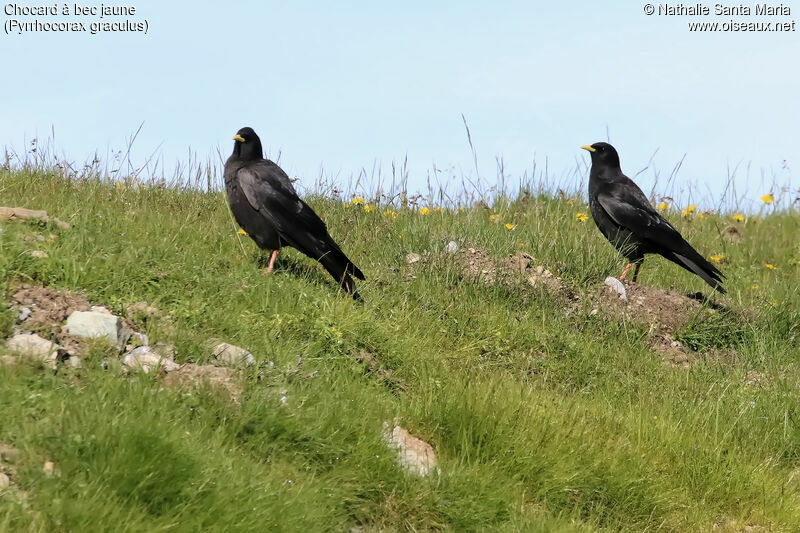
(625, 217)
(265, 204)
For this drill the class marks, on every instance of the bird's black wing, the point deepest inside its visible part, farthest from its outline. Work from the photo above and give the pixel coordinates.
(269, 191)
(627, 206)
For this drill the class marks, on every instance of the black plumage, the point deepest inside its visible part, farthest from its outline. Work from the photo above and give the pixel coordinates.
(625, 217)
(265, 204)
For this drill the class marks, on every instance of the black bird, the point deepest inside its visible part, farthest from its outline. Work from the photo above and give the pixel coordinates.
(625, 217)
(265, 204)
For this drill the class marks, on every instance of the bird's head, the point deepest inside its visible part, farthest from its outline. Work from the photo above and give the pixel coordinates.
(247, 145)
(603, 154)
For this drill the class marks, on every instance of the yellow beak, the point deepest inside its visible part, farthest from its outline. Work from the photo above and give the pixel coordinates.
(238, 137)
(587, 147)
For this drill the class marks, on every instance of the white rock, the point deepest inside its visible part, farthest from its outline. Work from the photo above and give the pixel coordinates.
(145, 359)
(451, 248)
(413, 455)
(412, 258)
(75, 362)
(96, 324)
(140, 338)
(24, 314)
(5, 482)
(230, 355)
(49, 468)
(617, 286)
(33, 346)
(39, 254)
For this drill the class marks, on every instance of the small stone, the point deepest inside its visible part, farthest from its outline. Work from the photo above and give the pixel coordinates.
(24, 314)
(230, 355)
(96, 324)
(33, 346)
(146, 360)
(414, 455)
(732, 235)
(412, 258)
(617, 286)
(75, 362)
(101, 309)
(39, 254)
(8, 454)
(49, 468)
(593, 312)
(140, 338)
(5, 482)
(451, 248)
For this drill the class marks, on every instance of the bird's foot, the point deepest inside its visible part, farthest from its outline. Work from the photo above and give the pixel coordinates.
(625, 272)
(271, 265)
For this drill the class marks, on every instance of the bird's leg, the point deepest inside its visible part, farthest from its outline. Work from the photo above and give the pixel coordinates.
(636, 272)
(271, 266)
(625, 272)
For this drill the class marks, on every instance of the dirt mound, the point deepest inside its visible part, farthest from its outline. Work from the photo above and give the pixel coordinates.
(192, 376)
(665, 311)
(49, 307)
(509, 270)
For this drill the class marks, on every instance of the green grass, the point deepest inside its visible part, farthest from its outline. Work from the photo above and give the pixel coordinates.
(543, 418)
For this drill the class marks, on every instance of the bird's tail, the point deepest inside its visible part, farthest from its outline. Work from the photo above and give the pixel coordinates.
(342, 269)
(694, 262)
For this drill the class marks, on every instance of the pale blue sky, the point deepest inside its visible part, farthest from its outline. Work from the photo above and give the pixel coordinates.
(342, 85)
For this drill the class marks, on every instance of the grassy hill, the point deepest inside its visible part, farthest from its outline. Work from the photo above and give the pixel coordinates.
(550, 408)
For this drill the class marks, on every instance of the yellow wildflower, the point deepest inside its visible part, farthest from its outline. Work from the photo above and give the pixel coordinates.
(119, 185)
(494, 218)
(521, 245)
(510, 226)
(368, 208)
(738, 217)
(753, 287)
(770, 266)
(460, 209)
(689, 211)
(424, 211)
(438, 209)
(701, 215)
(663, 206)
(768, 198)
(357, 201)
(241, 232)
(570, 202)
(582, 217)
(718, 258)
(390, 213)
